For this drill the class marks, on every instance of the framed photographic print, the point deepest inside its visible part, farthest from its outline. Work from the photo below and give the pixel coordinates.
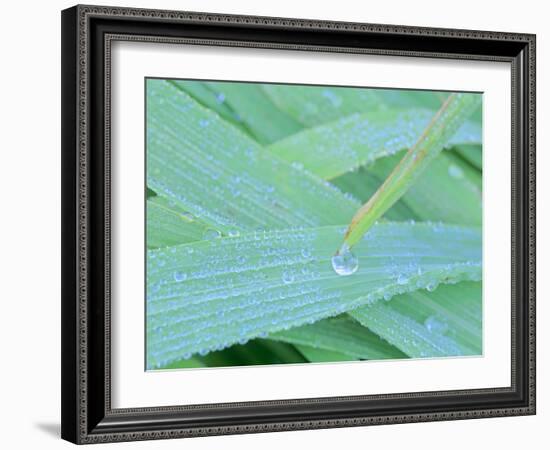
(280, 224)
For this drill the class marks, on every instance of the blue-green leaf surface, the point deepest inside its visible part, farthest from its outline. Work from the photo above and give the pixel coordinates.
(207, 295)
(247, 187)
(196, 146)
(314, 105)
(166, 225)
(256, 111)
(449, 190)
(342, 335)
(335, 148)
(445, 322)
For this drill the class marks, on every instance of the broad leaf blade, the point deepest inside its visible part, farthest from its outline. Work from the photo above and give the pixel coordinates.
(342, 335)
(404, 98)
(244, 105)
(168, 226)
(471, 154)
(206, 295)
(337, 147)
(190, 147)
(203, 94)
(315, 105)
(446, 322)
(256, 111)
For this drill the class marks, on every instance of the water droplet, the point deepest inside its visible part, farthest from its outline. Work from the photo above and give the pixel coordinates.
(288, 277)
(387, 296)
(455, 172)
(297, 165)
(180, 276)
(203, 123)
(402, 279)
(233, 233)
(203, 352)
(211, 234)
(431, 286)
(188, 215)
(345, 262)
(436, 324)
(190, 250)
(220, 98)
(306, 253)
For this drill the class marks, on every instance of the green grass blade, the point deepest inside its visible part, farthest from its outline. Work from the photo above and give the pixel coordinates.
(191, 363)
(244, 105)
(190, 147)
(472, 154)
(255, 352)
(208, 295)
(203, 94)
(337, 147)
(342, 335)
(362, 183)
(317, 355)
(168, 226)
(449, 190)
(446, 322)
(457, 308)
(404, 98)
(315, 105)
(256, 111)
(446, 122)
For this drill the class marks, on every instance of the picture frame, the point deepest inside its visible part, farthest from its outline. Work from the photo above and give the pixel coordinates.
(88, 366)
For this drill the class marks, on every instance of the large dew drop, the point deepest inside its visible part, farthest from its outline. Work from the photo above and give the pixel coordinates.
(345, 262)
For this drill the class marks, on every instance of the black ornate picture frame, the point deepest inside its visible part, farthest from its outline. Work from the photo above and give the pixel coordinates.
(87, 35)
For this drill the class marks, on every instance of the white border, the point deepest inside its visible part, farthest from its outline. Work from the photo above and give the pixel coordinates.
(133, 387)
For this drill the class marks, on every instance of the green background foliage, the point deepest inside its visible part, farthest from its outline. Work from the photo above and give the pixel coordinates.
(250, 188)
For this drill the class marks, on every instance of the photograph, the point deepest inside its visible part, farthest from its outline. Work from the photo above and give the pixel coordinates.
(295, 222)
(340, 224)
